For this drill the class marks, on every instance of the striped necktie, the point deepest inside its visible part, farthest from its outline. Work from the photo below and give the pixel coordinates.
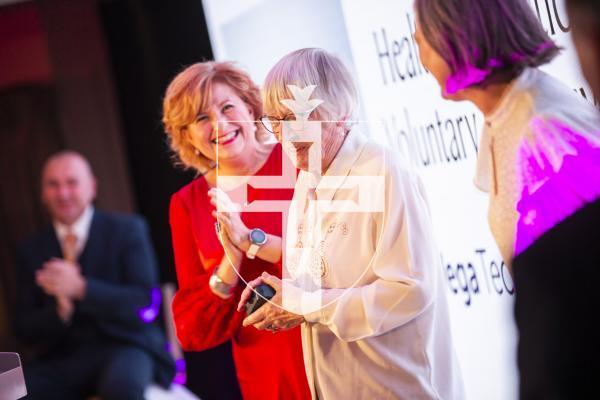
(69, 247)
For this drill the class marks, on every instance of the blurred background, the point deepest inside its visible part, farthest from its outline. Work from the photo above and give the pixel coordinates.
(89, 75)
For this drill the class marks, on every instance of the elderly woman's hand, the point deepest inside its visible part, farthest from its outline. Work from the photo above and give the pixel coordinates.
(228, 216)
(271, 316)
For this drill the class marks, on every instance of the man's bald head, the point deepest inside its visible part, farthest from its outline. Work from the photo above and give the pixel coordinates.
(68, 186)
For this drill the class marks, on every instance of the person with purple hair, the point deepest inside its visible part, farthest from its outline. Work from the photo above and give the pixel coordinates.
(489, 53)
(539, 159)
(558, 338)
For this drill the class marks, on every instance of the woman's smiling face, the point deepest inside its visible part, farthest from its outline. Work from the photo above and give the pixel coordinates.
(227, 128)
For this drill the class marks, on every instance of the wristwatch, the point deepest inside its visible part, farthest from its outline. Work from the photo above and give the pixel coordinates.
(257, 237)
(220, 288)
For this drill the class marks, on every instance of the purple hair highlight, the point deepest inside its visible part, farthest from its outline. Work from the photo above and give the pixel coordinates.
(468, 76)
(484, 42)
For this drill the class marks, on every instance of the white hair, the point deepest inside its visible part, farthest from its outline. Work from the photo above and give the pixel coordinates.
(312, 66)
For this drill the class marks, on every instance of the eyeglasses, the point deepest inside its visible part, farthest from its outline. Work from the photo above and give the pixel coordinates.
(273, 124)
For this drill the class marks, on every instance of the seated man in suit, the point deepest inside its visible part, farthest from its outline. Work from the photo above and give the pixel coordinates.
(87, 295)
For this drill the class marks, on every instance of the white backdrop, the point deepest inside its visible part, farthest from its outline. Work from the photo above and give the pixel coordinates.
(402, 107)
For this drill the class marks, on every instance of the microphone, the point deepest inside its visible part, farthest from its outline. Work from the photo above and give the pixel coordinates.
(260, 295)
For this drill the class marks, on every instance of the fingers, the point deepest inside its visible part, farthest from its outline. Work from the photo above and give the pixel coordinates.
(227, 214)
(278, 325)
(272, 281)
(224, 225)
(221, 200)
(292, 324)
(46, 282)
(58, 265)
(264, 324)
(244, 298)
(263, 318)
(220, 230)
(46, 275)
(224, 220)
(40, 280)
(248, 292)
(52, 265)
(273, 318)
(221, 216)
(55, 274)
(256, 317)
(233, 254)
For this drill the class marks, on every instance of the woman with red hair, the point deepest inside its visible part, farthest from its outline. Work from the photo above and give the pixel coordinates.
(210, 114)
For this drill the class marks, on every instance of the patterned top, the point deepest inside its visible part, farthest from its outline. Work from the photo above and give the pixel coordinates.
(362, 266)
(533, 101)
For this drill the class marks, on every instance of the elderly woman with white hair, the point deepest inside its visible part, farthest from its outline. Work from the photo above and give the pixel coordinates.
(361, 269)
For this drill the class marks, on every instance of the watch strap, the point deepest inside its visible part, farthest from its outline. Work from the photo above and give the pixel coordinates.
(252, 250)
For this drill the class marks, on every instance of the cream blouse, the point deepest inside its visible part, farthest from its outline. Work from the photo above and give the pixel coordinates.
(533, 102)
(363, 260)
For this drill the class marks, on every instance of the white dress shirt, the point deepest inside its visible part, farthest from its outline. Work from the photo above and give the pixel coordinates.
(80, 228)
(362, 260)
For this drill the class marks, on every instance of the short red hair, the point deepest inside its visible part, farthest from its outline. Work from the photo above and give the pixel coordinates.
(190, 94)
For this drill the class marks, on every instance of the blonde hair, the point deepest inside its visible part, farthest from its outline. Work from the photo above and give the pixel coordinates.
(312, 66)
(190, 94)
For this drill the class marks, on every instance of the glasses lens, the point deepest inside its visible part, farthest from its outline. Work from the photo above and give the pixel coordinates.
(272, 124)
(268, 124)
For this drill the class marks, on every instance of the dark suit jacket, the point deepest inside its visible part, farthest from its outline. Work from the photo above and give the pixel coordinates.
(557, 305)
(119, 265)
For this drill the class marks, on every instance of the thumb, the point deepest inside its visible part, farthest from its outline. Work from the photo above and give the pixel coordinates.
(270, 280)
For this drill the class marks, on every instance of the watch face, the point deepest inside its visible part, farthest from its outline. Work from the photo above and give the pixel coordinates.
(257, 236)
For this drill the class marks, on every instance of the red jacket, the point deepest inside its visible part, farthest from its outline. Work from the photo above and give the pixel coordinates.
(269, 366)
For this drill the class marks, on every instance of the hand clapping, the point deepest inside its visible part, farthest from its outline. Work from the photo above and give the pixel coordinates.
(58, 277)
(228, 215)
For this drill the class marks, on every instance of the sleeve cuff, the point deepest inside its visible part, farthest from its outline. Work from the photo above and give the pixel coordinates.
(316, 307)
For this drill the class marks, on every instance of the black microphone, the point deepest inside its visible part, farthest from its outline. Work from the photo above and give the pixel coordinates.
(255, 302)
